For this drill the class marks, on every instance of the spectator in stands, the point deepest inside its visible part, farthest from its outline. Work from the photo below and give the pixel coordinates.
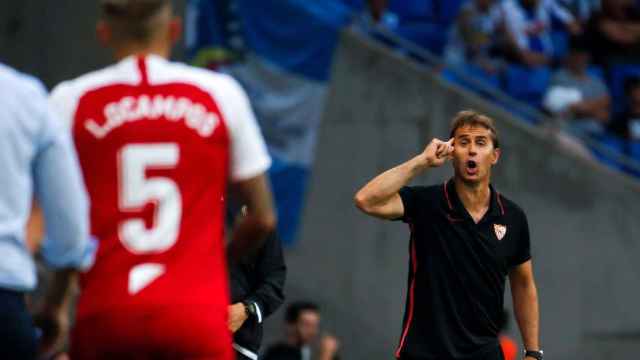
(627, 124)
(528, 24)
(302, 327)
(577, 96)
(581, 9)
(616, 32)
(377, 8)
(475, 37)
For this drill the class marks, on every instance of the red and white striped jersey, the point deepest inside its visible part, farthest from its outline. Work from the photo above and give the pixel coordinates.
(158, 142)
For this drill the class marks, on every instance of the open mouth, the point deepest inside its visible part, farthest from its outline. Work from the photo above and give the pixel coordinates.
(472, 167)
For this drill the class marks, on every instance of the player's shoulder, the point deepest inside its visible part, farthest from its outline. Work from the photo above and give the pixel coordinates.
(163, 71)
(21, 84)
(120, 73)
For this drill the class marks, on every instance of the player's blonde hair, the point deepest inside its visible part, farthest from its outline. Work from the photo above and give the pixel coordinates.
(474, 118)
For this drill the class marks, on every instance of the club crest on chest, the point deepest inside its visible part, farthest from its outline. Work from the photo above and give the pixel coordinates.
(501, 230)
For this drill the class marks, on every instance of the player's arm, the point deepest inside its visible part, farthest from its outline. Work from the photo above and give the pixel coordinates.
(380, 197)
(271, 271)
(525, 304)
(250, 230)
(268, 294)
(249, 163)
(60, 192)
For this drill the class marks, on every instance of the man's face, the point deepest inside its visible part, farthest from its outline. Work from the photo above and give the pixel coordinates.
(307, 326)
(474, 153)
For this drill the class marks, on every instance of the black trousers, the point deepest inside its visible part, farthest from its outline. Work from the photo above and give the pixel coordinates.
(491, 355)
(17, 334)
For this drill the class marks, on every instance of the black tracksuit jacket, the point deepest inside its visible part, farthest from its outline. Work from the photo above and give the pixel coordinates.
(261, 280)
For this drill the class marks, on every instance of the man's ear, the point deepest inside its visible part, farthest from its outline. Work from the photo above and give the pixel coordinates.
(103, 33)
(175, 30)
(496, 155)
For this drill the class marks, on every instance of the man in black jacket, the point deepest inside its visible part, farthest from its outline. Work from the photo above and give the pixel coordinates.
(256, 292)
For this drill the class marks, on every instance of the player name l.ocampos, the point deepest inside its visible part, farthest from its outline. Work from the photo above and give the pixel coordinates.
(129, 109)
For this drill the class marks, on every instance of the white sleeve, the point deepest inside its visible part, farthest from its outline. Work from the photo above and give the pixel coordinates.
(249, 156)
(63, 103)
(514, 21)
(559, 11)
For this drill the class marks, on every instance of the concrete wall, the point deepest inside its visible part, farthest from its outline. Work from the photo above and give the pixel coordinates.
(585, 234)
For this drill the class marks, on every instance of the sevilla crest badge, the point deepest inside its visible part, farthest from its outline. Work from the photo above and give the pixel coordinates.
(500, 230)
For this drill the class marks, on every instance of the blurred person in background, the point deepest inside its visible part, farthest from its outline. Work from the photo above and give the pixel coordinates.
(38, 162)
(476, 36)
(581, 9)
(579, 98)
(158, 142)
(627, 124)
(528, 24)
(466, 239)
(507, 344)
(257, 291)
(302, 326)
(615, 32)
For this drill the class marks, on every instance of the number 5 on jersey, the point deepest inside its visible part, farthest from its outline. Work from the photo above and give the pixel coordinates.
(136, 190)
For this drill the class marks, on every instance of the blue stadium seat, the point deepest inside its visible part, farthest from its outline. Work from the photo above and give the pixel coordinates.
(634, 152)
(618, 75)
(425, 22)
(560, 40)
(527, 84)
(411, 10)
(613, 143)
(597, 71)
(431, 36)
(448, 10)
(475, 72)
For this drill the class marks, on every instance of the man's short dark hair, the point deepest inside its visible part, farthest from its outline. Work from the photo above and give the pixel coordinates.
(296, 308)
(473, 118)
(133, 20)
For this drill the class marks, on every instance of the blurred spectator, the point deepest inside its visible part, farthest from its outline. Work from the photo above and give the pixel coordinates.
(302, 327)
(581, 9)
(377, 8)
(256, 285)
(578, 96)
(474, 39)
(38, 161)
(627, 124)
(507, 344)
(615, 32)
(528, 24)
